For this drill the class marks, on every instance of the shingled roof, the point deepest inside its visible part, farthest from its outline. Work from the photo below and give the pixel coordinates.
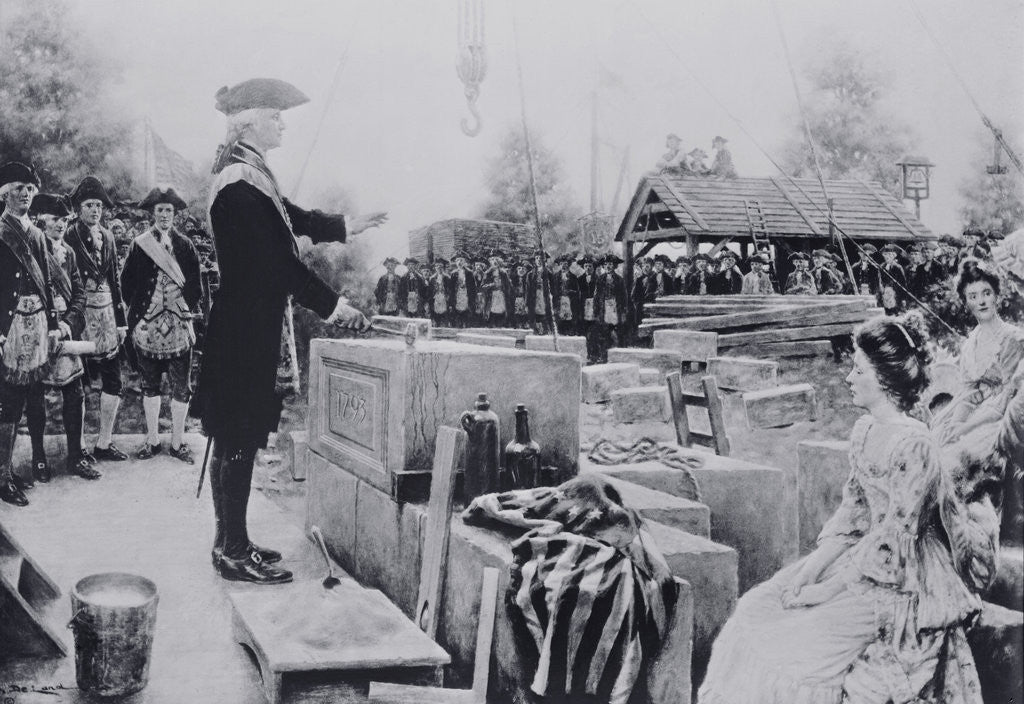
(672, 207)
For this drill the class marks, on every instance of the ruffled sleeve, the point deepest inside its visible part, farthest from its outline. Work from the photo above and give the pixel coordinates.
(853, 517)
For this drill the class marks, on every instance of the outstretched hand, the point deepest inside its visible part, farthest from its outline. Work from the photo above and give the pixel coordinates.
(345, 316)
(365, 222)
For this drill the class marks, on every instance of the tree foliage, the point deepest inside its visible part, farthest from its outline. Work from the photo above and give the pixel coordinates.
(855, 135)
(992, 201)
(508, 183)
(54, 111)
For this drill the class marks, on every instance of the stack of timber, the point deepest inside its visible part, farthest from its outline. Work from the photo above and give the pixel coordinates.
(759, 326)
(476, 238)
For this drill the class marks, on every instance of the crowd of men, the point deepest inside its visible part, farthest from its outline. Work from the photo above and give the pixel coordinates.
(64, 281)
(588, 293)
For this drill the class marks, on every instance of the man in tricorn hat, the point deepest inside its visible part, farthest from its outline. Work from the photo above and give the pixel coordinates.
(565, 294)
(757, 280)
(699, 281)
(161, 285)
(30, 325)
(892, 280)
(463, 291)
(800, 281)
(255, 229)
(866, 270)
(498, 286)
(439, 293)
(729, 279)
(824, 279)
(105, 323)
(388, 288)
(412, 290)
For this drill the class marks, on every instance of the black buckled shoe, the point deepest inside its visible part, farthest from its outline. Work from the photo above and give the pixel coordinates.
(149, 451)
(24, 483)
(11, 494)
(83, 469)
(216, 555)
(252, 568)
(88, 457)
(110, 453)
(41, 471)
(269, 556)
(183, 453)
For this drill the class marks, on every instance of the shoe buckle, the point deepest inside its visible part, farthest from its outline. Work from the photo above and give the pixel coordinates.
(256, 557)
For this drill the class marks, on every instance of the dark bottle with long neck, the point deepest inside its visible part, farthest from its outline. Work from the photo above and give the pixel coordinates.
(522, 455)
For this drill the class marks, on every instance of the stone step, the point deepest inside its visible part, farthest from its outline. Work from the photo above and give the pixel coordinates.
(639, 404)
(666, 361)
(997, 640)
(649, 376)
(570, 344)
(693, 345)
(742, 374)
(711, 570)
(672, 511)
(599, 380)
(780, 406)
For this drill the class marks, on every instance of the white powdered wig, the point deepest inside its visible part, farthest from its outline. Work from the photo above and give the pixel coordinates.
(8, 187)
(240, 122)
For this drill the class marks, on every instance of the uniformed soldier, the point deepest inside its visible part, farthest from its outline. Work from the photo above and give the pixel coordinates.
(825, 280)
(800, 281)
(105, 323)
(565, 293)
(499, 293)
(255, 230)
(463, 291)
(412, 289)
(699, 281)
(757, 281)
(161, 286)
(388, 291)
(891, 280)
(439, 293)
(30, 325)
(66, 369)
(728, 280)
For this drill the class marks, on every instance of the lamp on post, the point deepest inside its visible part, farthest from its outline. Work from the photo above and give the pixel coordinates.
(916, 174)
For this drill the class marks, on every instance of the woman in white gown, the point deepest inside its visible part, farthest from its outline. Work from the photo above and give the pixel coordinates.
(876, 613)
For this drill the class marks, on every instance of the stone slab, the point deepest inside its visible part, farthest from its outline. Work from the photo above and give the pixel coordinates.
(710, 569)
(388, 543)
(822, 469)
(331, 496)
(489, 340)
(638, 404)
(751, 509)
(675, 512)
(799, 348)
(742, 374)
(997, 641)
(599, 380)
(570, 344)
(375, 406)
(781, 406)
(666, 361)
(693, 345)
(650, 376)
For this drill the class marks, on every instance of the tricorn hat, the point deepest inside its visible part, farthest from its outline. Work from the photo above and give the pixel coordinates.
(975, 232)
(163, 195)
(411, 261)
(17, 172)
(700, 257)
(727, 253)
(269, 93)
(798, 256)
(759, 258)
(50, 204)
(389, 260)
(682, 259)
(611, 258)
(890, 247)
(460, 255)
(869, 248)
(718, 140)
(440, 261)
(90, 188)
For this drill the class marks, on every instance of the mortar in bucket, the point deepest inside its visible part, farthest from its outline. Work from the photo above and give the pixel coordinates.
(113, 616)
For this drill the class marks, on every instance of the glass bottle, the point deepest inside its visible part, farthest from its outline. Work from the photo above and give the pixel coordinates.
(483, 449)
(522, 455)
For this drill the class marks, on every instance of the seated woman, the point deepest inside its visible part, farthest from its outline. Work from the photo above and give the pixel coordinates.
(876, 612)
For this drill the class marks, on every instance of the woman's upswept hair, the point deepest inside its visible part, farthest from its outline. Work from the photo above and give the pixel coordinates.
(897, 349)
(974, 270)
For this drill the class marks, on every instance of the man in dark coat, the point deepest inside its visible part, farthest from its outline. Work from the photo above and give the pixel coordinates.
(463, 291)
(699, 280)
(388, 291)
(439, 293)
(255, 230)
(866, 271)
(565, 294)
(931, 273)
(161, 286)
(479, 316)
(30, 326)
(66, 370)
(892, 280)
(413, 289)
(729, 279)
(800, 281)
(825, 279)
(105, 323)
(536, 299)
(498, 286)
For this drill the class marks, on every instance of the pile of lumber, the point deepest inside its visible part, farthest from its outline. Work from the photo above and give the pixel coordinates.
(762, 325)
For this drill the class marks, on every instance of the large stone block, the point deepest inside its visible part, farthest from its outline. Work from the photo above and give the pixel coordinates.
(651, 377)
(673, 511)
(638, 404)
(488, 340)
(751, 509)
(781, 406)
(665, 361)
(599, 380)
(822, 469)
(388, 545)
(331, 495)
(710, 569)
(569, 344)
(375, 405)
(740, 374)
(693, 345)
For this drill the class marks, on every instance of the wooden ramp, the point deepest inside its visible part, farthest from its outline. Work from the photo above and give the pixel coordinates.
(28, 602)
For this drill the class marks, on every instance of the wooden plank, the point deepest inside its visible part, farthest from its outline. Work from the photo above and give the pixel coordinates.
(799, 348)
(485, 634)
(814, 332)
(701, 223)
(678, 402)
(810, 223)
(715, 415)
(387, 693)
(719, 246)
(22, 629)
(449, 450)
(771, 316)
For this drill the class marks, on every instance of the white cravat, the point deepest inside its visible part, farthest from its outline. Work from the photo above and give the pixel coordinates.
(25, 222)
(97, 238)
(163, 238)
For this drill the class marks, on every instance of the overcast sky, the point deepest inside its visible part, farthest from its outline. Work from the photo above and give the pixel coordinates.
(392, 136)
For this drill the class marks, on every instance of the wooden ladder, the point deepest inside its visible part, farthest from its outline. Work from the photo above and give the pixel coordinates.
(27, 596)
(717, 440)
(757, 224)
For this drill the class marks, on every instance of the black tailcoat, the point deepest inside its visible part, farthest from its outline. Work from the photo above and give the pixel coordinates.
(17, 248)
(67, 282)
(97, 269)
(140, 273)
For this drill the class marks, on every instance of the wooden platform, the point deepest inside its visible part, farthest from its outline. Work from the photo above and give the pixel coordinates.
(350, 631)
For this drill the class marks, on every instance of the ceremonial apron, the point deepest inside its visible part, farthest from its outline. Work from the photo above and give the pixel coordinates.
(100, 323)
(26, 349)
(498, 298)
(538, 303)
(440, 298)
(461, 292)
(412, 301)
(564, 302)
(519, 300)
(66, 367)
(480, 304)
(611, 308)
(391, 297)
(165, 330)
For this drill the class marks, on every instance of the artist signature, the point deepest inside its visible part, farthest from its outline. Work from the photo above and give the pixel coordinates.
(7, 690)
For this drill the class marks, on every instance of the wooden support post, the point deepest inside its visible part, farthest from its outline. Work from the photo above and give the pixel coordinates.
(691, 245)
(715, 415)
(631, 321)
(675, 394)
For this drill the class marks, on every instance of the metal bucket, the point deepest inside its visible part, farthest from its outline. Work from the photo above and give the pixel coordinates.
(113, 619)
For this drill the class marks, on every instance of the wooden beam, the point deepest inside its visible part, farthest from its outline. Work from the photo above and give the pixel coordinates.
(799, 348)
(814, 332)
(678, 401)
(701, 222)
(715, 415)
(636, 205)
(485, 634)
(800, 211)
(719, 246)
(665, 235)
(648, 246)
(768, 316)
